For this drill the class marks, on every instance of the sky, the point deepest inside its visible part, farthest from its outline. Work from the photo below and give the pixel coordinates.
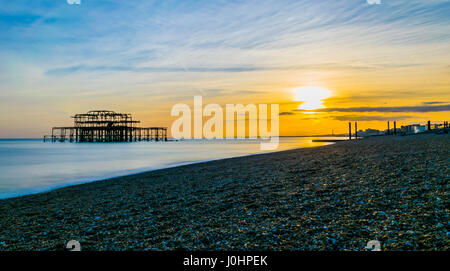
(384, 61)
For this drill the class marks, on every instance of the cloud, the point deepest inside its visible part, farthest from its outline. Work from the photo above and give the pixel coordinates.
(380, 95)
(72, 2)
(236, 69)
(394, 109)
(212, 92)
(355, 117)
(286, 113)
(230, 37)
(374, 2)
(371, 118)
(432, 103)
(83, 68)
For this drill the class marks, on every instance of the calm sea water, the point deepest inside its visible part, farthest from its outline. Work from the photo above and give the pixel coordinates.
(30, 166)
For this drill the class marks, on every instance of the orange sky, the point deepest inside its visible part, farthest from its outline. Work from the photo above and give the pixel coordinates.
(59, 60)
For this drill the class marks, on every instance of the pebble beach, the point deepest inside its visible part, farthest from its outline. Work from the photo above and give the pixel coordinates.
(393, 189)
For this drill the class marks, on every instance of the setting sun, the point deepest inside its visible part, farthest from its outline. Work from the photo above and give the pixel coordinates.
(312, 97)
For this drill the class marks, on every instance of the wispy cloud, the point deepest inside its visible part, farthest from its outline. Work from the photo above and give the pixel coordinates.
(401, 95)
(89, 69)
(371, 118)
(146, 69)
(432, 103)
(392, 109)
(231, 36)
(287, 113)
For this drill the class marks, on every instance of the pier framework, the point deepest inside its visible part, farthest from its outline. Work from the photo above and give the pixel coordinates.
(106, 126)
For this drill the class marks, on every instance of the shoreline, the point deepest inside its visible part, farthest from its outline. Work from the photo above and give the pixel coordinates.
(127, 173)
(334, 197)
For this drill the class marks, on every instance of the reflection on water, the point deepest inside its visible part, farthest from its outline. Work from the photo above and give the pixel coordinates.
(30, 166)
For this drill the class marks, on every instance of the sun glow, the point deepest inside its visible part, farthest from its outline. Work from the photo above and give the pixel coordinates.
(312, 97)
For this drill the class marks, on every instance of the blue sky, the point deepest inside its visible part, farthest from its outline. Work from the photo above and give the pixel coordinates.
(59, 58)
(120, 35)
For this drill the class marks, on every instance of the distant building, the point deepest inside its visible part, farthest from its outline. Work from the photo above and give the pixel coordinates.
(414, 128)
(437, 126)
(370, 132)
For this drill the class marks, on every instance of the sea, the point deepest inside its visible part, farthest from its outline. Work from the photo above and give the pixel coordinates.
(29, 166)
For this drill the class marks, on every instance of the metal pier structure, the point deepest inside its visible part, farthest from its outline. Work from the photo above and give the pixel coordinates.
(106, 126)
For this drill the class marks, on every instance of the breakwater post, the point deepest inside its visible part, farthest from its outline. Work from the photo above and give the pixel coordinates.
(350, 131)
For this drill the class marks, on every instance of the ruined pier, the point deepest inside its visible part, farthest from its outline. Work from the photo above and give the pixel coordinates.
(106, 126)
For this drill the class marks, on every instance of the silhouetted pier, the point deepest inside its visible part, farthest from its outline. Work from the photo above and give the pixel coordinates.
(106, 126)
